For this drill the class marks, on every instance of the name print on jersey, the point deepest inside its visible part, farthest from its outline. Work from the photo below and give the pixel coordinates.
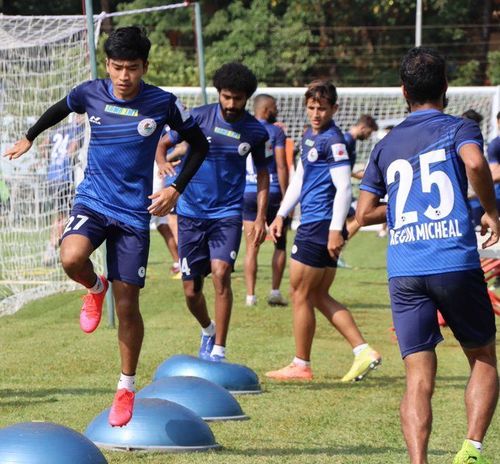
(426, 231)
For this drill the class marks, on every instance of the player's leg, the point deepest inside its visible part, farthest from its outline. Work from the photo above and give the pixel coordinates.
(250, 264)
(416, 409)
(166, 232)
(127, 258)
(84, 232)
(224, 237)
(463, 300)
(415, 320)
(278, 262)
(195, 261)
(251, 250)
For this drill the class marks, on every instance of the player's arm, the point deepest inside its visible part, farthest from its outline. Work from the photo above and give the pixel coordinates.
(290, 200)
(56, 113)
(164, 200)
(341, 178)
(479, 175)
(165, 167)
(259, 225)
(369, 210)
(178, 152)
(280, 159)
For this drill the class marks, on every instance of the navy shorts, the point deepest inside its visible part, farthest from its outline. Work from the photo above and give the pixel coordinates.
(462, 299)
(311, 245)
(250, 213)
(127, 247)
(202, 240)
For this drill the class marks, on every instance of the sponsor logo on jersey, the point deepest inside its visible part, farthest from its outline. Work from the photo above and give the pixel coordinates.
(146, 127)
(244, 148)
(312, 155)
(120, 110)
(339, 152)
(95, 120)
(227, 133)
(309, 142)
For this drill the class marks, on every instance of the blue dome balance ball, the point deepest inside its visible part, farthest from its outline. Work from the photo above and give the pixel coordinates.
(236, 378)
(46, 443)
(156, 425)
(206, 399)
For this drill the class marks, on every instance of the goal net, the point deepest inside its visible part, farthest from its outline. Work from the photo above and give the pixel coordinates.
(41, 59)
(385, 104)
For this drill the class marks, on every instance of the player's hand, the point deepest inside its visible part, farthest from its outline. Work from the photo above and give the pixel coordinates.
(258, 232)
(490, 222)
(19, 149)
(276, 228)
(163, 201)
(167, 168)
(335, 243)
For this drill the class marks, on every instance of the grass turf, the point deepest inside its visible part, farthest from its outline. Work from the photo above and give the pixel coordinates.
(52, 371)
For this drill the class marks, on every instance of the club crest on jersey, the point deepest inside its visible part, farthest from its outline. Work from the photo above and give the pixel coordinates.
(312, 155)
(244, 148)
(339, 152)
(146, 127)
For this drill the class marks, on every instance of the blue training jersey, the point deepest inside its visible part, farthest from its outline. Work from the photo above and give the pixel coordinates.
(494, 158)
(60, 158)
(216, 190)
(123, 139)
(277, 139)
(418, 166)
(320, 153)
(350, 144)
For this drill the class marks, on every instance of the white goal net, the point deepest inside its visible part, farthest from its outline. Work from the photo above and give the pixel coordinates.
(41, 59)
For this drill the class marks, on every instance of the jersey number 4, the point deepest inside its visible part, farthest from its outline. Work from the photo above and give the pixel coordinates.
(428, 179)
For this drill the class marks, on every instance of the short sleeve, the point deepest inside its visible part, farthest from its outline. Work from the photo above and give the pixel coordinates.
(178, 116)
(468, 132)
(76, 99)
(373, 179)
(280, 138)
(494, 151)
(259, 153)
(336, 152)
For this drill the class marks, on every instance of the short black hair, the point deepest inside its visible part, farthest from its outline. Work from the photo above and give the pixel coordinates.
(319, 89)
(423, 74)
(236, 77)
(261, 98)
(128, 43)
(474, 115)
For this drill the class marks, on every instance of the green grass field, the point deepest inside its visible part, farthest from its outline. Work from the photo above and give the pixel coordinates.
(52, 371)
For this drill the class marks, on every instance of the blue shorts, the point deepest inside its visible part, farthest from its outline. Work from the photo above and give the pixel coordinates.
(462, 299)
(127, 248)
(202, 240)
(311, 245)
(250, 213)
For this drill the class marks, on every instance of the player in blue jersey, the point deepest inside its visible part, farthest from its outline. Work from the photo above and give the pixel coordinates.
(322, 184)
(432, 260)
(113, 202)
(210, 210)
(266, 111)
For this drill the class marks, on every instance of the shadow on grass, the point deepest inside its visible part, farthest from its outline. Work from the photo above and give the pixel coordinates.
(374, 382)
(18, 397)
(306, 449)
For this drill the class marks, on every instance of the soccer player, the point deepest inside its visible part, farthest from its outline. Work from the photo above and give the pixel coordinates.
(322, 184)
(266, 111)
(432, 260)
(210, 210)
(126, 117)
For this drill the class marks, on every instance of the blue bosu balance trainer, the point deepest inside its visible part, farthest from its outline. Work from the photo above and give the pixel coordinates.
(46, 443)
(206, 399)
(156, 425)
(236, 378)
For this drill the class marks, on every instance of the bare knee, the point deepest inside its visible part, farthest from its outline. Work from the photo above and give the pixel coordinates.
(221, 277)
(485, 354)
(72, 260)
(192, 289)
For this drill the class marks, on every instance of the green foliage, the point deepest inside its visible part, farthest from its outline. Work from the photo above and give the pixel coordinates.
(494, 67)
(466, 74)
